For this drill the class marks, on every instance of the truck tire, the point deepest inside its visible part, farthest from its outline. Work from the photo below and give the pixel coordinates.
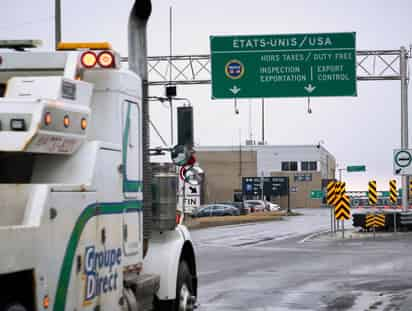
(185, 300)
(15, 306)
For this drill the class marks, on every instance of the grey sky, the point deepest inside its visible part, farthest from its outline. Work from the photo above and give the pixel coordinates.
(361, 130)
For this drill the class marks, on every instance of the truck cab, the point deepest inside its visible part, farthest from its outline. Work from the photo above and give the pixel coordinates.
(71, 188)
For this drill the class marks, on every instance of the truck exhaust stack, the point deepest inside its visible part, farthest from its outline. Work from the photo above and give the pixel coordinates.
(138, 19)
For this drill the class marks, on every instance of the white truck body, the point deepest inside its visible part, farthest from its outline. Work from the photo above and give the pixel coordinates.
(71, 217)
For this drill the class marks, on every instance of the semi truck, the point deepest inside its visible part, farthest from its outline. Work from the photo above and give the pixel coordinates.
(85, 223)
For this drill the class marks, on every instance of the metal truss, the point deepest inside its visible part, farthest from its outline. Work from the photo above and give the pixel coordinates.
(196, 69)
(378, 65)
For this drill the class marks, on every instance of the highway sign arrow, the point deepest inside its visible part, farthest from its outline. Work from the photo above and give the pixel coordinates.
(235, 90)
(310, 88)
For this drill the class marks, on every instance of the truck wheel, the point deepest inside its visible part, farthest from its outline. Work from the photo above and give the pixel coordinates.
(15, 306)
(185, 299)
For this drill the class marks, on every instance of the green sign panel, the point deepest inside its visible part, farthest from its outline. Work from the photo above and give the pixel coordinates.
(316, 194)
(356, 168)
(385, 194)
(298, 65)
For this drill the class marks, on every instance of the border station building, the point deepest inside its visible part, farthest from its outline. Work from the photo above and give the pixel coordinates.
(308, 167)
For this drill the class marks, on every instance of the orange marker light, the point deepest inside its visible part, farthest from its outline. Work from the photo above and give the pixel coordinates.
(88, 59)
(46, 302)
(66, 121)
(47, 118)
(106, 59)
(83, 124)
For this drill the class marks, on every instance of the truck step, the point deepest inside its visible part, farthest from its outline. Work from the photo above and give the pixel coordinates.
(144, 287)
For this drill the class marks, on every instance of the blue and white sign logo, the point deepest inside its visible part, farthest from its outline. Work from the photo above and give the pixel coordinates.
(101, 273)
(249, 187)
(234, 69)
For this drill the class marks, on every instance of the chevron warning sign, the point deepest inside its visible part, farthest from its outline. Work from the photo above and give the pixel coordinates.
(375, 220)
(393, 193)
(372, 192)
(342, 208)
(337, 193)
(380, 220)
(330, 192)
(410, 186)
(342, 188)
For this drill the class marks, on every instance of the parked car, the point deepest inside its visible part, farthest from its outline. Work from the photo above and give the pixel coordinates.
(244, 210)
(216, 210)
(255, 205)
(272, 207)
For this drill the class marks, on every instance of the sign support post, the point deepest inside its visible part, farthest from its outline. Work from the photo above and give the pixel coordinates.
(393, 194)
(403, 68)
(288, 195)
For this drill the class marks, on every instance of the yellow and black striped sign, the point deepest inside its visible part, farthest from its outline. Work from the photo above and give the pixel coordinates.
(410, 186)
(337, 193)
(342, 209)
(393, 192)
(330, 192)
(342, 188)
(373, 220)
(372, 192)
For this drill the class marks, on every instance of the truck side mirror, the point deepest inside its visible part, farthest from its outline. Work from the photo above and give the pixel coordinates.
(185, 126)
(180, 155)
(194, 176)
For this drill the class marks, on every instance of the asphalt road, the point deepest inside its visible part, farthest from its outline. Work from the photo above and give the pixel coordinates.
(286, 265)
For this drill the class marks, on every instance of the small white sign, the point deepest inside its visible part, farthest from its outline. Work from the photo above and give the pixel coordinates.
(402, 161)
(192, 190)
(191, 197)
(190, 203)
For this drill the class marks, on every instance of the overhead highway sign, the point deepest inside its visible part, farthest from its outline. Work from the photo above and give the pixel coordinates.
(288, 65)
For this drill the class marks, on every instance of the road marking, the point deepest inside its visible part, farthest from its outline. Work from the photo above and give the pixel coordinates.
(312, 235)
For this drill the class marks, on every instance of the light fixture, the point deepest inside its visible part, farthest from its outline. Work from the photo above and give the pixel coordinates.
(83, 123)
(47, 118)
(88, 59)
(66, 121)
(106, 59)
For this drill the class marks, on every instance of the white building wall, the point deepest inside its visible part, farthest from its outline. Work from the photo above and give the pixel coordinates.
(270, 158)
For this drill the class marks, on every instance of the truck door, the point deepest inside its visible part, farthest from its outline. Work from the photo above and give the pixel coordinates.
(132, 172)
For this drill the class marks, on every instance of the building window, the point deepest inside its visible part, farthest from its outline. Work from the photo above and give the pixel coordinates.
(303, 177)
(309, 166)
(290, 166)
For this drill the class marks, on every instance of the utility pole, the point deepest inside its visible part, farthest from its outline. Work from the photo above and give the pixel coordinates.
(403, 69)
(57, 23)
